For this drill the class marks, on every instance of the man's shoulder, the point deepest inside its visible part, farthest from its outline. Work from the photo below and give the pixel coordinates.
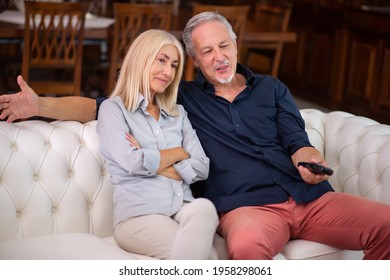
(185, 86)
(99, 101)
(186, 89)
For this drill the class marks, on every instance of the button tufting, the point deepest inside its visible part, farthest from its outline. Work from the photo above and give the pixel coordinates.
(53, 209)
(18, 213)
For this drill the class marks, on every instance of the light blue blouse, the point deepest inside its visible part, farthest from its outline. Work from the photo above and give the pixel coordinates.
(137, 189)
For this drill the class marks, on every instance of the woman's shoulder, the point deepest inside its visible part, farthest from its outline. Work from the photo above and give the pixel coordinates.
(180, 110)
(112, 102)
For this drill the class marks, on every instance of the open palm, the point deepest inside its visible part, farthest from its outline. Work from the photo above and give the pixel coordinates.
(21, 105)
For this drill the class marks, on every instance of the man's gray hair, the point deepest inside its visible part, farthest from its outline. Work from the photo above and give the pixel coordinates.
(200, 19)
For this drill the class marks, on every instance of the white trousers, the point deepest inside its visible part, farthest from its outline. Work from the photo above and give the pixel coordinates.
(188, 234)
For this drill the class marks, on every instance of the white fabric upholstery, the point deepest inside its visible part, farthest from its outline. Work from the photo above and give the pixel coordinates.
(56, 200)
(68, 246)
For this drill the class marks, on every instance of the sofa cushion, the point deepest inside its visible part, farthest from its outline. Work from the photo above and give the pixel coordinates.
(53, 180)
(69, 246)
(300, 249)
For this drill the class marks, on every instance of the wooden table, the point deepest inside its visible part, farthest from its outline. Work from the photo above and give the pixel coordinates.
(12, 26)
(99, 28)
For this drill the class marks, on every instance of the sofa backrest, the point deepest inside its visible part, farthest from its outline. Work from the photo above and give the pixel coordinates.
(357, 148)
(52, 180)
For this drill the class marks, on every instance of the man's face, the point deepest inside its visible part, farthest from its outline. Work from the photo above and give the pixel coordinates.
(215, 53)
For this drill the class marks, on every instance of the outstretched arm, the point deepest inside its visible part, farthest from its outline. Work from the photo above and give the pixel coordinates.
(27, 103)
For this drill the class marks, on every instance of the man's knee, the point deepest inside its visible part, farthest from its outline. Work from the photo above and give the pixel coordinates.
(245, 244)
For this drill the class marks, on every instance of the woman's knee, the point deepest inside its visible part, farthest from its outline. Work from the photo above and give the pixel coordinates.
(203, 209)
(139, 235)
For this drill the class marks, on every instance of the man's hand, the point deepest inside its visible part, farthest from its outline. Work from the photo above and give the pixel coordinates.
(21, 105)
(309, 154)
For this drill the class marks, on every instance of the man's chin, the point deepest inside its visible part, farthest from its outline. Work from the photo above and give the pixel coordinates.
(225, 80)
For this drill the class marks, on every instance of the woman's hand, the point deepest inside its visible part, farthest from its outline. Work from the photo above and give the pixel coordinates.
(133, 142)
(168, 157)
(170, 172)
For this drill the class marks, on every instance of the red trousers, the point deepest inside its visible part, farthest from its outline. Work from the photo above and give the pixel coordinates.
(340, 220)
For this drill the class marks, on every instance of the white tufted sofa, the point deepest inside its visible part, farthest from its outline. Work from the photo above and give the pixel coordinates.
(56, 201)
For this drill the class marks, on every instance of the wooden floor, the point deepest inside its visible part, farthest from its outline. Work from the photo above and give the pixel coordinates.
(304, 104)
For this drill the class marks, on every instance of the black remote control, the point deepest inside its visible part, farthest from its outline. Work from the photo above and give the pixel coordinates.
(317, 168)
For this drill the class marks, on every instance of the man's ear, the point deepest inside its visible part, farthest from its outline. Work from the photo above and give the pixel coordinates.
(194, 61)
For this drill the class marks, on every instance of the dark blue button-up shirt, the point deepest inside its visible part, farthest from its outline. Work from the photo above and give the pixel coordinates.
(249, 142)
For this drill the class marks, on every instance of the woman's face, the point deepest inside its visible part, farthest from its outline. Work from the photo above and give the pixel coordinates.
(163, 69)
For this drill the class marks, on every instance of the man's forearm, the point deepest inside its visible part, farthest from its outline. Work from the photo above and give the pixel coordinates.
(308, 154)
(76, 108)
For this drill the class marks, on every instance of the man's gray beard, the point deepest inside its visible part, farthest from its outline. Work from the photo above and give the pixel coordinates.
(226, 81)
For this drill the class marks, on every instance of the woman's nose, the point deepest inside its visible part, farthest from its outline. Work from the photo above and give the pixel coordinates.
(167, 70)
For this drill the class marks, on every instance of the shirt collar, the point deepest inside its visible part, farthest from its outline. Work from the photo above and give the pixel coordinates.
(143, 103)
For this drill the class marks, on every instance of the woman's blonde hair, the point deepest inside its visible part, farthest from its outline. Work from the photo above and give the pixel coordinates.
(134, 74)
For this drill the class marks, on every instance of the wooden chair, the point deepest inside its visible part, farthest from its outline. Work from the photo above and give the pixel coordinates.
(175, 4)
(236, 15)
(269, 16)
(131, 19)
(54, 43)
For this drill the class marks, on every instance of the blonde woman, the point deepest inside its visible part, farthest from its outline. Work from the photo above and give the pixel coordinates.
(155, 213)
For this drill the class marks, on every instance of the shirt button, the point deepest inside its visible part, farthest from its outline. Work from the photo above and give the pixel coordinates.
(156, 132)
(237, 125)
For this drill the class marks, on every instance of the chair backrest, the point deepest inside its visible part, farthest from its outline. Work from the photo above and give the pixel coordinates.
(272, 16)
(237, 16)
(269, 16)
(175, 4)
(53, 40)
(97, 7)
(131, 19)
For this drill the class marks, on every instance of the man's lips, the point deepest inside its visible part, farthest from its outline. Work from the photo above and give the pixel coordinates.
(222, 67)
